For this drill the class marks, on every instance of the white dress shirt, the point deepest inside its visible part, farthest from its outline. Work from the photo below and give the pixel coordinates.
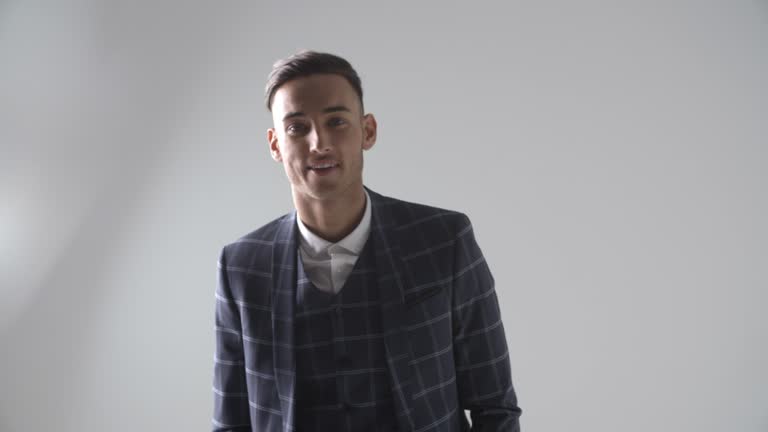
(328, 264)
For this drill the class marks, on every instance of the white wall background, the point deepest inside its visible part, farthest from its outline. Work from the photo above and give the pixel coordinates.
(612, 156)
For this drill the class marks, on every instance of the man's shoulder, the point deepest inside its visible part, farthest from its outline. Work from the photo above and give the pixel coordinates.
(257, 241)
(267, 232)
(409, 216)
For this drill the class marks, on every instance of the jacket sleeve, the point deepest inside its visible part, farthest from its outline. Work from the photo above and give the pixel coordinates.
(480, 348)
(230, 393)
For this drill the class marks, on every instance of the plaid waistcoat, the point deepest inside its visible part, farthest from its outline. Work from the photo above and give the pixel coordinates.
(342, 382)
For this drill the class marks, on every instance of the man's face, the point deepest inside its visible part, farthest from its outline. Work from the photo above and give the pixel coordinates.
(319, 135)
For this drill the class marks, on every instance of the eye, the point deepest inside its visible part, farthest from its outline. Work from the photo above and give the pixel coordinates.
(337, 121)
(295, 129)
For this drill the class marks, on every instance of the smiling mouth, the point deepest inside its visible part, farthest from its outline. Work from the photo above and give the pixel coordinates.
(322, 167)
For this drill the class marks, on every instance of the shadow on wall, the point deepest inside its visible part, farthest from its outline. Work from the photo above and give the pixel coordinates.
(111, 140)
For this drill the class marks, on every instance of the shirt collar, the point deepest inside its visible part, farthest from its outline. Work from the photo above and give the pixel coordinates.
(353, 242)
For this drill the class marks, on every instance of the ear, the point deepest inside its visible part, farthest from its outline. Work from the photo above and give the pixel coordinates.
(369, 131)
(274, 148)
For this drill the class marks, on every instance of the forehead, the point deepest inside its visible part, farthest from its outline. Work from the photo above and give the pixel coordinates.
(314, 93)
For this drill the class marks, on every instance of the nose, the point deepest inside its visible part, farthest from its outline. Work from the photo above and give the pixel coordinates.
(318, 142)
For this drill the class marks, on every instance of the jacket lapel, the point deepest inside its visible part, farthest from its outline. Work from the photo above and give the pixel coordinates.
(283, 299)
(391, 279)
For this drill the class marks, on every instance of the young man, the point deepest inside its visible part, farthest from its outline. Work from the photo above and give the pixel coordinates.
(356, 312)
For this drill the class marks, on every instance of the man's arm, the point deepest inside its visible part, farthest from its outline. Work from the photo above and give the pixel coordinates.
(480, 347)
(230, 393)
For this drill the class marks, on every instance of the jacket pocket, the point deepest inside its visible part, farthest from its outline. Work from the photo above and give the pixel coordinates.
(423, 295)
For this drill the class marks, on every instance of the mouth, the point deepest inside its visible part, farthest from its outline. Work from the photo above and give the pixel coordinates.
(322, 168)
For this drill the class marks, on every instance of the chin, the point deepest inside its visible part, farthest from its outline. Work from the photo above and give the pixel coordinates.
(318, 193)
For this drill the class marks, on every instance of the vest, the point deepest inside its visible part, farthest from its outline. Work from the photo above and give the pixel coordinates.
(342, 379)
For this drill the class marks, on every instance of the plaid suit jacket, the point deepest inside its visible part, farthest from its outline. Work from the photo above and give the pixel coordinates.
(444, 340)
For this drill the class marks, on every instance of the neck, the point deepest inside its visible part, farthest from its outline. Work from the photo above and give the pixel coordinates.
(332, 219)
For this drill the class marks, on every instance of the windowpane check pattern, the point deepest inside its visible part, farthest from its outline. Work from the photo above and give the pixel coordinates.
(342, 380)
(441, 334)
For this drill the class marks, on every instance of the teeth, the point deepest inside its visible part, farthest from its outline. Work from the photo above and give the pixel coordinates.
(323, 166)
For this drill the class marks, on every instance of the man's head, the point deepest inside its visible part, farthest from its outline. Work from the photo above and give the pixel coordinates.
(320, 129)
(306, 63)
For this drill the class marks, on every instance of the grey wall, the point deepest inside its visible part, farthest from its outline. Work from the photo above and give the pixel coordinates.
(611, 156)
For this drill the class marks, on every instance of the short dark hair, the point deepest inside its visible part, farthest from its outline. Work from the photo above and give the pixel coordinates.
(306, 63)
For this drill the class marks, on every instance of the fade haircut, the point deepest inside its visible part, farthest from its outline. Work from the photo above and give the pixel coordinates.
(306, 63)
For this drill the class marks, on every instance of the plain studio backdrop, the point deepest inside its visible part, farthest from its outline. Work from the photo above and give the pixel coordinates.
(611, 155)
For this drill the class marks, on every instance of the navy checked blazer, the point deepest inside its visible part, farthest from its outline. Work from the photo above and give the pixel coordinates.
(444, 340)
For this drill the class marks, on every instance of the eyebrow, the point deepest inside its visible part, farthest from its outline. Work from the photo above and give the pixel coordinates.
(330, 109)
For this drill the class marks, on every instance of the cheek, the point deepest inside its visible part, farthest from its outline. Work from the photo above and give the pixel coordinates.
(351, 140)
(291, 154)
(293, 164)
